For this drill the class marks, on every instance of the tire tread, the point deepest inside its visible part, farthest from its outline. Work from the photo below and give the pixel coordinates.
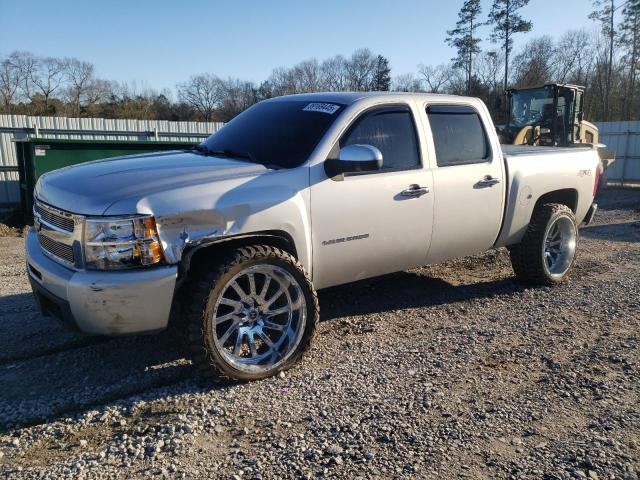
(525, 256)
(196, 296)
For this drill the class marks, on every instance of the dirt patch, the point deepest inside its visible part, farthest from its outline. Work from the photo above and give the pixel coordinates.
(446, 371)
(7, 231)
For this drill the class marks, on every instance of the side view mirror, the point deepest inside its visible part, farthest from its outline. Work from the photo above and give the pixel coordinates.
(354, 158)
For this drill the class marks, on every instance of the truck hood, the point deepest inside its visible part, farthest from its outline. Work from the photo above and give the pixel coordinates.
(90, 188)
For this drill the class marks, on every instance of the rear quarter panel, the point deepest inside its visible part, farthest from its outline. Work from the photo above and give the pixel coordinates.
(533, 175)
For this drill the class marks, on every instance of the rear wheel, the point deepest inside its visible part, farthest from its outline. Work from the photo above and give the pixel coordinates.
(254, 316)
(546, 254)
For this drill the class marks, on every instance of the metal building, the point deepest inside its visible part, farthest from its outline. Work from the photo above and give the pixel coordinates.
(623, 138)
(20, 126)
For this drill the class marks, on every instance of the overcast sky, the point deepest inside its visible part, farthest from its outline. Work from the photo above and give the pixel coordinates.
(160, 43)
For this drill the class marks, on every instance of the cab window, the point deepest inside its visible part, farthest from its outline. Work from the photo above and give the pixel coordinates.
(458, 135)
(393, 132)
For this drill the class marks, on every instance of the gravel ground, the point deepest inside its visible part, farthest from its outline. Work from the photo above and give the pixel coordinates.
(445, 371)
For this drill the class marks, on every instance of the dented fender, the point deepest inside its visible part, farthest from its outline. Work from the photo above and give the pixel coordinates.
(189, 216)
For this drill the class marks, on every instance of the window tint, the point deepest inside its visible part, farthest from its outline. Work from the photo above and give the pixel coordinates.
(279, 133)
(458, 135)
(393, 133)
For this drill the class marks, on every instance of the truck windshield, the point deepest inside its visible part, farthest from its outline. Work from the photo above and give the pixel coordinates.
(279, 134)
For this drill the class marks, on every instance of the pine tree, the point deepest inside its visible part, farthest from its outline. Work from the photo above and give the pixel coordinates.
(463, 38)
(506, 23)
(382, 75)
(629, 38)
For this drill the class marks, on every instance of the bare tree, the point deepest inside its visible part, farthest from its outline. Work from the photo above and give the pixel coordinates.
(487, 68)
(203, 92)
(307, 76)
(361, 69)
(45, 76)
(599, 105)
(629, 39)
(97, 91)
(487, 76)
(133, 100)
(26, 63)
(436, 78)
(238, 96)
(573, 57)
(11, 80)
(80, 76)
(533, 65)
(407, 82)
(282, 82)
(605, 14)
(335, 75)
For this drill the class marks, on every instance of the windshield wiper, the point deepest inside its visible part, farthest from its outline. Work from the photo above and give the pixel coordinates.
(233, 154)
(226, 152)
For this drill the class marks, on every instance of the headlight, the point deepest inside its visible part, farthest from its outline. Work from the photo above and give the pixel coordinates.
(118, 243)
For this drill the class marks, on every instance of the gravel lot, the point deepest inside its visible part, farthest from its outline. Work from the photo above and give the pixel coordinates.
(446, 371)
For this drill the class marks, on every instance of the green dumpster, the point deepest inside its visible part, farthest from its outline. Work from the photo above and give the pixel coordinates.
(38, 156)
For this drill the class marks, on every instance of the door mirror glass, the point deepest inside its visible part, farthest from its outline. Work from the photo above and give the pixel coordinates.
(353, 159)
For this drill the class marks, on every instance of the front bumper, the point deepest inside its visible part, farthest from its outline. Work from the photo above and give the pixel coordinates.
(101, 303)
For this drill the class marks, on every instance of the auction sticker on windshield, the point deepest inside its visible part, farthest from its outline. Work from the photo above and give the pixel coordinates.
(329, 108)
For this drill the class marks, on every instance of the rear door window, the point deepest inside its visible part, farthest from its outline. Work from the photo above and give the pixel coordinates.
(458, 135)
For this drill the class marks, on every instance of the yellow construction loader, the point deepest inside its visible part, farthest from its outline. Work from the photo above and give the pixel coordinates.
(550, 115)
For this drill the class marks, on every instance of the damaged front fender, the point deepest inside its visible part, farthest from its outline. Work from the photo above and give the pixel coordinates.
(190, 216)
(182, 230)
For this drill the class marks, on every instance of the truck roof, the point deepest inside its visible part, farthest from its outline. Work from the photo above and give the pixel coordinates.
(348, 98)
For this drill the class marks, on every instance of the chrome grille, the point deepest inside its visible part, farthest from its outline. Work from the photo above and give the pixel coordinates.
(58, 249)
(54, 218)
(57, 233)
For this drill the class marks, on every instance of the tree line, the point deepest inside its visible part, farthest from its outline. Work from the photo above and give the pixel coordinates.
(604, 60)
(34, 85)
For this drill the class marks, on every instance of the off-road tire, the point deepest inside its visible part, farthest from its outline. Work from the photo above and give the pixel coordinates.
(199, 301)
(527, 258)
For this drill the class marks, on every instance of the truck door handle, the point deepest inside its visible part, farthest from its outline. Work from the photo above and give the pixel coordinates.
(488, 181)
(414, 190)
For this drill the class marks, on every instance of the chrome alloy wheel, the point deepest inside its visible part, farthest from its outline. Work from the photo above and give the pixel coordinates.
(259, 319)
(559, 246)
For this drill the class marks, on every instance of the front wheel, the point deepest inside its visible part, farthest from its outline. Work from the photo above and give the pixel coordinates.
(253, 316)
(546, 254)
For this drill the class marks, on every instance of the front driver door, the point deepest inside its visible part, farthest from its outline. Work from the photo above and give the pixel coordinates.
(373, 223)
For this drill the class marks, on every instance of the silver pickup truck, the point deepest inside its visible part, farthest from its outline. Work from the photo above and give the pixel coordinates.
(232, 239)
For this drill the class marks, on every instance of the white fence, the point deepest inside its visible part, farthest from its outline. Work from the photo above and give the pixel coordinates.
(623, 138)
(19, 126)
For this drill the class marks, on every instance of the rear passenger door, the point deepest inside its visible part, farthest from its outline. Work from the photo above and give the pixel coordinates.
(468, 181)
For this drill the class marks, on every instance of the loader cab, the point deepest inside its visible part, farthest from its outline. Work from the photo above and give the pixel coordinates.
(550, 115)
